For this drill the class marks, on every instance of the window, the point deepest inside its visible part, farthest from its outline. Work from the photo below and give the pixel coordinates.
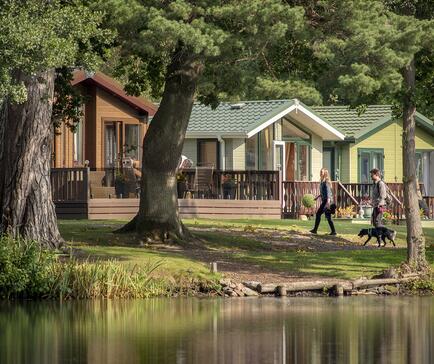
(266, 149)
(78, 144)
(132, 141)
(328, 161)
(370, 159)
(207, 153)
(425, 170)
(252, 152)
(297, 161)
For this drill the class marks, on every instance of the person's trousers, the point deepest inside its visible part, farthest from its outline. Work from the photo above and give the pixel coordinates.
(377, 217)
(322, 210)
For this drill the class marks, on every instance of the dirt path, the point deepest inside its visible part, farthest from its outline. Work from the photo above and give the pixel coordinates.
(268, 240)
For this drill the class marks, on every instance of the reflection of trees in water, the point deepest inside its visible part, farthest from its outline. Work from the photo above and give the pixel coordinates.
(359, 330)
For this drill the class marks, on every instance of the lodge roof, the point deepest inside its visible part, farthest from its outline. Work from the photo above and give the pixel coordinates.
(242, 117)
(113, 87)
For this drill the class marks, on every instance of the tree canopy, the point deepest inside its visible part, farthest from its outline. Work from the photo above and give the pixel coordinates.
(36, 35)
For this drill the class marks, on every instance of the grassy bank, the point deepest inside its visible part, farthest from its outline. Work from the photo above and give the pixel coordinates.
(246, 241)
(103, 264)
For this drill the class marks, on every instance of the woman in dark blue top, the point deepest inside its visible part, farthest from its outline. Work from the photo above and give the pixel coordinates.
(326, 200)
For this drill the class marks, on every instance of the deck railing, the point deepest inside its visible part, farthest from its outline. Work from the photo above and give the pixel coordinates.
(344, 195)
(73, 185)
(70, 184)
(245, 185)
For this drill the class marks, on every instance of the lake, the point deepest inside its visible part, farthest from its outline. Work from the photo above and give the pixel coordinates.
(266, 330)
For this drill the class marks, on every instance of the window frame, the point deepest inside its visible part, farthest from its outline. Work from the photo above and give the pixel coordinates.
(371, 151)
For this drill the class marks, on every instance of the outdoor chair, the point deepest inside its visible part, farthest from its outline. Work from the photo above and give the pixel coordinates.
(203, 182)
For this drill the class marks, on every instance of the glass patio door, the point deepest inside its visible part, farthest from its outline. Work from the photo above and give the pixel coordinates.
(110, 145)
(279, 158)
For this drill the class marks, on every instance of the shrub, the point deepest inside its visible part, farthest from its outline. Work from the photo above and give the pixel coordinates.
(308, 201)
(28, 271)
(25, 268)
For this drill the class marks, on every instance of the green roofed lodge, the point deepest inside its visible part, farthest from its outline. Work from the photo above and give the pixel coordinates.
(300, 140)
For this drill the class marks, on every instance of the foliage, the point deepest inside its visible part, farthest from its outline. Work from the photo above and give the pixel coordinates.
(227, 38)
(345, 211)
(181, 177)
(387, 217)
(28, 271)
(366, 200)
(25, 269)
(308, 201)
(37, 35)
(421, 285)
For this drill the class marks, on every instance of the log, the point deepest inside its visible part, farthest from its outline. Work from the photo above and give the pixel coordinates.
(266, 288)
(313, 285)
(364, 283)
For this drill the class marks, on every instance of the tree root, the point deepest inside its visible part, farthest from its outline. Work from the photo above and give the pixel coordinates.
(151, 231)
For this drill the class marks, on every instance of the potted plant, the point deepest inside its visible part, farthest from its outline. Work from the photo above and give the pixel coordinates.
(181, 184)
(366, 206)
(387, 217)
(120, 184)
(308, 201)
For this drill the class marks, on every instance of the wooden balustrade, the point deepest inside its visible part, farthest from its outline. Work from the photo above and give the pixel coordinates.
(344, 195)
(70, 184)
(247, 185)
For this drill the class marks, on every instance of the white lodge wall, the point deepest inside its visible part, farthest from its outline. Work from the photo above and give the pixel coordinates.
(239, 154)
(229, 154)
(316, 157)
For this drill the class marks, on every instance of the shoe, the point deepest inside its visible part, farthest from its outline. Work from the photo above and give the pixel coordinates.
(333, 233)
(313, 231)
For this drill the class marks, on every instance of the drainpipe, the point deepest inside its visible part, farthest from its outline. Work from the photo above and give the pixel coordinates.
(222, 152)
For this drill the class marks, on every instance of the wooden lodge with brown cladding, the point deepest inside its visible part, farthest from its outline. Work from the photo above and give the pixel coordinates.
(112, 127)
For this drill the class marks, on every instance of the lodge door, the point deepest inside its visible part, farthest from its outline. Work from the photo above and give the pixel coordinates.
(121, 140)
(111, 146)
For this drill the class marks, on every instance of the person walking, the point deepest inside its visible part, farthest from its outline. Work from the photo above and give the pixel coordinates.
(379, 194)
(326, 196)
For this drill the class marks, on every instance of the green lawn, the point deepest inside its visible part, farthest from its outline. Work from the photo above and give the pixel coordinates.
(96, 240)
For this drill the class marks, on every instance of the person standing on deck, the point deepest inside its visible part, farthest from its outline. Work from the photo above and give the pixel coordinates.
(326, 196)
(379, 194)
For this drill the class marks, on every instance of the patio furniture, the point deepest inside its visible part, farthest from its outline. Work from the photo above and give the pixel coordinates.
(203, 182)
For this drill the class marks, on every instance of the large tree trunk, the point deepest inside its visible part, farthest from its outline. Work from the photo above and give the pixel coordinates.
(158, 217)
(415, 237)
(26, 133)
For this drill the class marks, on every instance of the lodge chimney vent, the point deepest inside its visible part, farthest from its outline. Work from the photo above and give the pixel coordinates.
(238, 106)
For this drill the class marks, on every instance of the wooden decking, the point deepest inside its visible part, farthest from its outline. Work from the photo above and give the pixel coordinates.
(105, 209)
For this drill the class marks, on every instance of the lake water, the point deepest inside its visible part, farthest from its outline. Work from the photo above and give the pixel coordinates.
(266, 330)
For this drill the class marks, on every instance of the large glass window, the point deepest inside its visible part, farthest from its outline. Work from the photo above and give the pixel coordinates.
(266, 149)
(370, 159)
(132, 141)
(252, 152)
(297, 161)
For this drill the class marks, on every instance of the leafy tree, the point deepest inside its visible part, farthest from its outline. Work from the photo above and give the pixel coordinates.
(369, 51)
(36, 37)
(202, 49)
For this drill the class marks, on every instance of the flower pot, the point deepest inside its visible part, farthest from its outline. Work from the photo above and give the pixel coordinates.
(367, 211)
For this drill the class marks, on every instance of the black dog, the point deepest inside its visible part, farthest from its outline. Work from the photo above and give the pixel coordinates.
(380, 233)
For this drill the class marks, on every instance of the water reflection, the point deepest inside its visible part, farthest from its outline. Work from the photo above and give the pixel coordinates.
(302, 330)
